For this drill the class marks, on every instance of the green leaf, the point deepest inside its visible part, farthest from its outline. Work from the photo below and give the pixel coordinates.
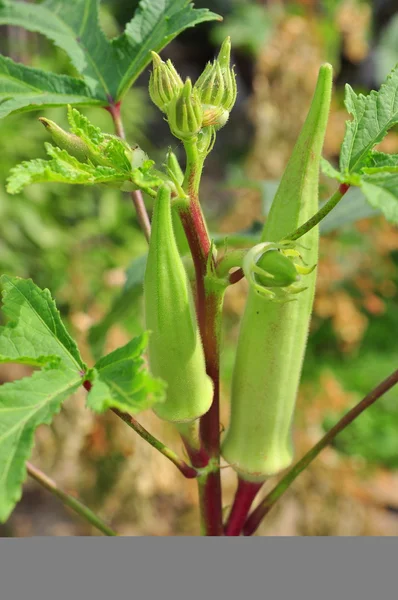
(329, 170)
(373, 116)
(62, 168)
(73, 26)
(102, 148)
(121, 381)
(25, 88)
(381, 191)
(124, 304)
(154, 25)
(35, 333)
(108, 67)
(24, 405)
(378, 162)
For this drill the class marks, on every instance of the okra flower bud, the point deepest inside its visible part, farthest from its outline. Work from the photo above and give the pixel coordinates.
(165, 82)
(185, 113)
(70, 142)
(272, 272)
(217, 88)
(97, 154)
(175, 348)
(273, 334)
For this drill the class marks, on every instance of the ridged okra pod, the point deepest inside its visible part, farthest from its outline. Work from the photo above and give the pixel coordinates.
(273, 334)
(175, 348)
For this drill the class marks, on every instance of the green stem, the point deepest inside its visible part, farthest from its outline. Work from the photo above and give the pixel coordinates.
(193, 169)
(68, 500)
(263, 509)
(188, 471)
(321, 214)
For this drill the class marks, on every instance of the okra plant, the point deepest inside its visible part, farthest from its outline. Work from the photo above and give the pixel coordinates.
(173, 367)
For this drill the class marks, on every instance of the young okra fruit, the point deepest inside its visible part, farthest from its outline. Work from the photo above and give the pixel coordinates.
(175, 347)
(274, 328)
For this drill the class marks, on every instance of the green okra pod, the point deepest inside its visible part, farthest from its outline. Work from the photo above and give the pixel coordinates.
(273, 333)
(175, 347)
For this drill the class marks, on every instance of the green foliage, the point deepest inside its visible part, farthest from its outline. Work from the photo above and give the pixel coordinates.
(35, 335)
(376, 173)
(62, 168)
(119, 381)
(108, 67)
(25, 88)
(373, 116)
(24, 405)
(110, 160)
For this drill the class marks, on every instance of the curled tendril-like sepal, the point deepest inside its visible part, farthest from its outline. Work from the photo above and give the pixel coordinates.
(275, 270)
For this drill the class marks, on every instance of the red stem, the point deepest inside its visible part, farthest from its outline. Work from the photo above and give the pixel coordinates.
(244, 497)
(208, 313)
(199, 244)
(136, 195)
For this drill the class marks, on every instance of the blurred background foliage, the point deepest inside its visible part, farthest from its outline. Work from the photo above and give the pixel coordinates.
(85, 245)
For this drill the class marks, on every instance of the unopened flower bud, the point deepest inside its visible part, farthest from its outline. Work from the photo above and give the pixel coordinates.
(217, 87)
(165, 82)
(272, 272)
(215, 116)
(70, 142)
(185, 113)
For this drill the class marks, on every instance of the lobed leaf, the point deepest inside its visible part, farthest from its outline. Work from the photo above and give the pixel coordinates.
(381, 191)
(24, 405)
(35, 334)
(379, 162)
(121, 381)
(62, 168)
(25, 88)
(108, 67)
(373, 116)
(154, 25)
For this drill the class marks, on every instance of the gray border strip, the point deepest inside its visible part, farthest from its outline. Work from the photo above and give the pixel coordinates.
(193, 569)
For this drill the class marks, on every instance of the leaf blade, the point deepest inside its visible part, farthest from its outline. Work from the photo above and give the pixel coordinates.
(35, 333)
(373, 116)
(121, 381)
(154, 25)
(25, 88)
(19, 418)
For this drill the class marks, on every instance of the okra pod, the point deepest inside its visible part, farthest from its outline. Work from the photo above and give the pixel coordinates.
(175, 347)
(273, 333)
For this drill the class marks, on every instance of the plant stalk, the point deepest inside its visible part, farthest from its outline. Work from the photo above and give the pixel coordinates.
(263, 509)
(244, 497)
(136, 195)
(68, 500)
(321, 214)
(208, 306)
(188, 471)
